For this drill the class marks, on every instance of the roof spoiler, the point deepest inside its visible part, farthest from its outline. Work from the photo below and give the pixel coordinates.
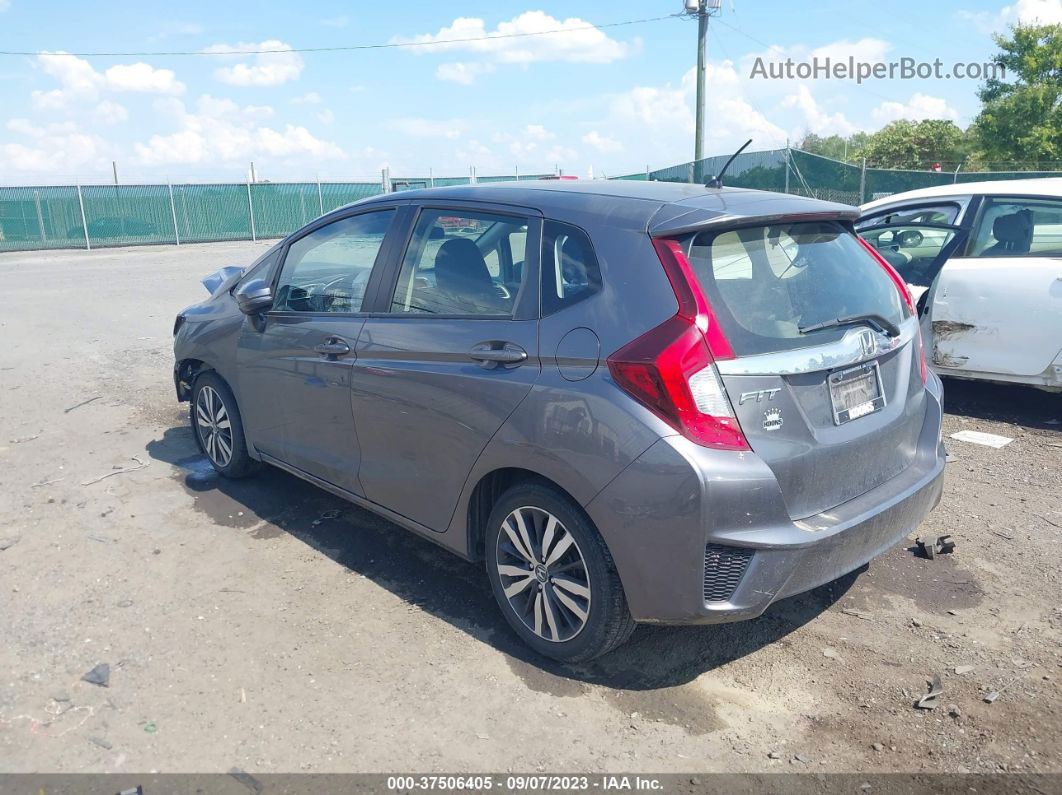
(679, 219)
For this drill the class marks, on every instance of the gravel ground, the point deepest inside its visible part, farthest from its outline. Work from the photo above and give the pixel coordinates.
(244, 628)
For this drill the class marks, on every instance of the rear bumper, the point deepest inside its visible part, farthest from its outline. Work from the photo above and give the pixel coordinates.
(678, 499)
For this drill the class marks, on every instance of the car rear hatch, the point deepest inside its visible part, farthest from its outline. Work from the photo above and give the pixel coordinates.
(814, 342)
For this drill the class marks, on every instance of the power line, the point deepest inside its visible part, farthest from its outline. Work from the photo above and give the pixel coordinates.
(348, 48)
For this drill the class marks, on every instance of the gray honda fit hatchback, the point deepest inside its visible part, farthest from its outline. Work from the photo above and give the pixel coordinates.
(635, 402)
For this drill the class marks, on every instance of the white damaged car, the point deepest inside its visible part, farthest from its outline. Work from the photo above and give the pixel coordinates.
(983, 261)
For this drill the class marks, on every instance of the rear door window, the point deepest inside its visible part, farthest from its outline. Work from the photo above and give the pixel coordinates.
(1019, 227)
(767, 282)
(461, 263)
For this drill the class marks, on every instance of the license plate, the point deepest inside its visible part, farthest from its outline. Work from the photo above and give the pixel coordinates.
(856, 392)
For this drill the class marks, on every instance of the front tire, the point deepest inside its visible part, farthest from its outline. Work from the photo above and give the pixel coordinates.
(218, 428)
(553, 576)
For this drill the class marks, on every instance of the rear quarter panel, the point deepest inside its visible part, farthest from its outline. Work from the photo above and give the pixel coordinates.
(582, 433)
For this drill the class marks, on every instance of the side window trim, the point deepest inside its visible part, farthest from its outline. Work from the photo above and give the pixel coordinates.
(525, 305)
(380, 263)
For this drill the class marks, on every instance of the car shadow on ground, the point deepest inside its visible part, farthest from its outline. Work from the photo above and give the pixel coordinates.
(1021, 405)
(273, 502)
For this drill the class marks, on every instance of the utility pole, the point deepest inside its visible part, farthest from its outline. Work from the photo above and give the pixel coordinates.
(702, 9)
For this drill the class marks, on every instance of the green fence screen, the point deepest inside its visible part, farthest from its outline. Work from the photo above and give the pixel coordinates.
(807, 174)
(121, 215)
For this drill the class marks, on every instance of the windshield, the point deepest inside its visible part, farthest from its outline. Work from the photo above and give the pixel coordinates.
(765, 282)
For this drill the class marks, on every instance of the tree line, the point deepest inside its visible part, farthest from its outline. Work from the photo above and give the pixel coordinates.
(1018, 128)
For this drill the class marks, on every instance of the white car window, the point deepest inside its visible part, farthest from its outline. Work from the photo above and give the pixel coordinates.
(1011, 227)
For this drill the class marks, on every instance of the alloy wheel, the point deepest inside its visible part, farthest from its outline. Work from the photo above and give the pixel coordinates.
(543, 574)
(214, 426)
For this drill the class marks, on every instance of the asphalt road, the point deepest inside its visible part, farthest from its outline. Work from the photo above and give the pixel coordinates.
(269, 626)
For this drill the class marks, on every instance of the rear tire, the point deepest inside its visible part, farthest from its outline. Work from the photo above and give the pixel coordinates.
(553, 576)
(218, 427)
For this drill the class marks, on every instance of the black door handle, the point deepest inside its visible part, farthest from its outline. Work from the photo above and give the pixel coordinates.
(332, 347)
(491, 355)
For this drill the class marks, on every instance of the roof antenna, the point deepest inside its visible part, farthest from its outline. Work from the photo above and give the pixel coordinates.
(717, 180)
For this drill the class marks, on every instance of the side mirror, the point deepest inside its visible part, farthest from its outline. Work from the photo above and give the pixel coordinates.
(254, 296)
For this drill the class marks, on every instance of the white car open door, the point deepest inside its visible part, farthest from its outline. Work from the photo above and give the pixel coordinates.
(998, 309)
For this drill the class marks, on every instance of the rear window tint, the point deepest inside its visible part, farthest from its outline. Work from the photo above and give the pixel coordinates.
(765, 282)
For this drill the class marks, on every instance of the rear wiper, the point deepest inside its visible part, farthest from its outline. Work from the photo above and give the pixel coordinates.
(877, 322)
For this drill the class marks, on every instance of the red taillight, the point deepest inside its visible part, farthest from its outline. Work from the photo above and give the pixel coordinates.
(671, 368)
(906, 295)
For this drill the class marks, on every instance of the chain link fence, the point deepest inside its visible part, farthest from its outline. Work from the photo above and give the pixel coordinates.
(99, 216)
(806, 174)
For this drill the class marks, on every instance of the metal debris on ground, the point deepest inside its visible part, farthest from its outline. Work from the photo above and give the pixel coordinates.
(117, 471)
(963, 669)
(991, 697)
(980, 437)
(82, 403)
(942, 545)
(931, 699)
(100, 675)
(848, 611)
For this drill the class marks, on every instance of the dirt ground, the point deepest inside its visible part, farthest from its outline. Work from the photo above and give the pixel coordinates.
(244, 628)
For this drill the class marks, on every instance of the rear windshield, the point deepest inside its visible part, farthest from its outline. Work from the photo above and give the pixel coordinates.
(766, 282)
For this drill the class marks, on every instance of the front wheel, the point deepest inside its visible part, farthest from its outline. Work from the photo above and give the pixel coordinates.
(218, 427)
(553, 576)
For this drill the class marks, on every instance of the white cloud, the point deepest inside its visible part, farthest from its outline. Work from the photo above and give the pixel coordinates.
(576, 40)
(336, 22)
(428, 128)
(143, 77)
(1023, 12)
(602, 143)
(59, 148)
(221, 130)
(918, 107)
(310, 98)
(326, 116)
(816, 119)
(537, 132)
(4, 5)
(463, 72)
(264, 69)
(76, 76)
(79, 80)
(661, 118)
(529, 142)
(108, 112)
(869, 50)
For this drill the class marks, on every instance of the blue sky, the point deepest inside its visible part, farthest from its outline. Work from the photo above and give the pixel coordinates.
(612, 100)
